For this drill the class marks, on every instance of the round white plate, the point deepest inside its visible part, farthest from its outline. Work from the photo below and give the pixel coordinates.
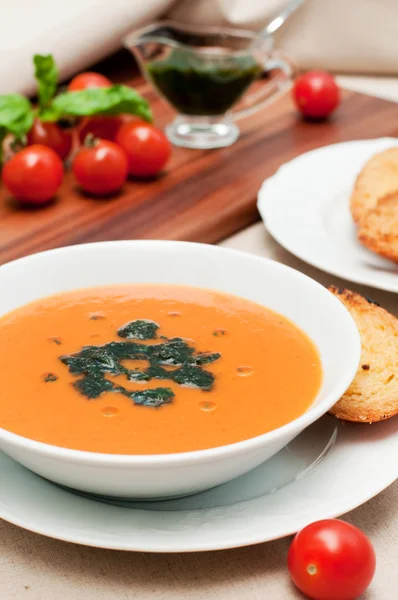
(305, 207)
(328, 470)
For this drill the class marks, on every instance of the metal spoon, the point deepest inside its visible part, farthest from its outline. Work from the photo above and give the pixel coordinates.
(281, 18)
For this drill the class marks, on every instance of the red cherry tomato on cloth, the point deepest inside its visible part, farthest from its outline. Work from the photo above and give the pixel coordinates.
(33, 175)
(104, 128)
(316, 94)
(331, 560)
(101, 168)
(87, 80)
(146, 146)
(51, 135)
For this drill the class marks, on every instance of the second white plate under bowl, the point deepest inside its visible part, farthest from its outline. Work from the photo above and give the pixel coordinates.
(323, 473)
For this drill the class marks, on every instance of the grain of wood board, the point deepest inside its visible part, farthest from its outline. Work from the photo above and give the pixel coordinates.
(203, 196)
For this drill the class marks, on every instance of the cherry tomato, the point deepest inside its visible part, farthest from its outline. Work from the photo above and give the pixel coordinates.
(101, 168)
(104, 128)
(87, 80)
(51, 135)
(33, 175)
(331, 560)
(316, 94)
(147, 148)
(100, 127)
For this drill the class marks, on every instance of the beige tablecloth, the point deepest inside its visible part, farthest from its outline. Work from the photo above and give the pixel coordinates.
(36, 568)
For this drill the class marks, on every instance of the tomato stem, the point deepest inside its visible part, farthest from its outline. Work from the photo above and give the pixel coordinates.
(312, 570)
(90, 140)
(68, 122)
(2, 136)
(17, 145)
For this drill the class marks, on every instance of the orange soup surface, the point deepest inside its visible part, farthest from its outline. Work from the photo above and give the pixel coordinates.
(151, 369)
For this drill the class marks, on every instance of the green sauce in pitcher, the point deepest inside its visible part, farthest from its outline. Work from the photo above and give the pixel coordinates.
(197, 85)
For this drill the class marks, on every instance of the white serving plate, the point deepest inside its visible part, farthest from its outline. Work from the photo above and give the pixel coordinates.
(305, 207)
(326, 471)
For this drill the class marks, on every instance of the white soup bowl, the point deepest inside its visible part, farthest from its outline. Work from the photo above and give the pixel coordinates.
(305, 302)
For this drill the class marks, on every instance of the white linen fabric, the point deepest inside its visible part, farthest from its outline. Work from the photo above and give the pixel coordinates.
(356, 36)
(77, 32)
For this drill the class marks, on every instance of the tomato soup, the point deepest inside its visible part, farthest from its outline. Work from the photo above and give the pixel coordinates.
(151, 369)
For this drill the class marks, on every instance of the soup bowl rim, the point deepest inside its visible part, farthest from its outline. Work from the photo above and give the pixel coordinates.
(292, 428)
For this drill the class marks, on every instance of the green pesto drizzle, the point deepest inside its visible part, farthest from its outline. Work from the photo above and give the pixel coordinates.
(93, 363)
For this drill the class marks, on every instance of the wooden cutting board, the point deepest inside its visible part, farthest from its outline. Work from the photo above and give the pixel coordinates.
(204, 196)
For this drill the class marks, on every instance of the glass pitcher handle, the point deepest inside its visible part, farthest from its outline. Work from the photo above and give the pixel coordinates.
(268, 91)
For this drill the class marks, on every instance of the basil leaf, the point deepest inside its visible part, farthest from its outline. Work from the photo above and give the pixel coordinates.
(154, 397)
(13, 107)
(114, 100)
(46, 73)
(140, 329)
(21, 127)
(16, 115)
(3, 133)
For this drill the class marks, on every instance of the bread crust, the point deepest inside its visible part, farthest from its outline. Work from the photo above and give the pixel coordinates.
(377, 178)
(378, 230)
(373, 394)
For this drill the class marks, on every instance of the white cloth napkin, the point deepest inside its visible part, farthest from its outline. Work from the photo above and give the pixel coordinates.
(357, 36)
(77, 32)
(347, 36)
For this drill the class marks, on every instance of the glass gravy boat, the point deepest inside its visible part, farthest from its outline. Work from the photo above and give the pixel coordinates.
(203, 72)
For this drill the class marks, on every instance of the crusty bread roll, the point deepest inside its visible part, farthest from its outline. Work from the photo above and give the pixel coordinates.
(378, 230)
(378, 178)
(373, 395)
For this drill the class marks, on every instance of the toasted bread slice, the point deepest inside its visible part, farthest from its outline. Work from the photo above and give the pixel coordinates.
(378, 230)
(373, 395)
(378, 178)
